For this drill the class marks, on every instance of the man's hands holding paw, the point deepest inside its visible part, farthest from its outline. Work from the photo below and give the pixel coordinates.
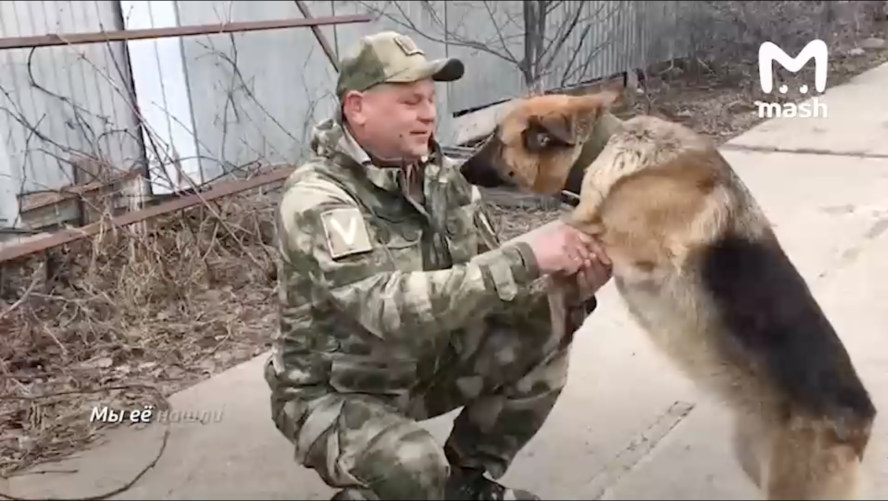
(570, 254)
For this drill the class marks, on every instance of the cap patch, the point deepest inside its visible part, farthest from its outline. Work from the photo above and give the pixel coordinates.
(407, 45)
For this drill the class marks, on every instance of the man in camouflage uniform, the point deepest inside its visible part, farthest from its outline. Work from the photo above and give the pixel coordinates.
(398, 303)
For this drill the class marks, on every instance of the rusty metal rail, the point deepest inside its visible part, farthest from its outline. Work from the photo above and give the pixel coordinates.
(319, 35)
(224, 189)
(176, 31)
(63, 237)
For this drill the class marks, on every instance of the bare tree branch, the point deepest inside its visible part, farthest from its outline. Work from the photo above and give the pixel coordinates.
(497, 29)
(543, 40)
(564, 31)
(452, 38)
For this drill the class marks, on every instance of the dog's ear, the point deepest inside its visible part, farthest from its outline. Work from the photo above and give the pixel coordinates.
(553, 129)
(569, 125)
(602, 100)
(586, 110)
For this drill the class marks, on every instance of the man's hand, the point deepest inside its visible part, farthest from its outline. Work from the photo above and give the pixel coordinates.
(595, 272)
(564, 250)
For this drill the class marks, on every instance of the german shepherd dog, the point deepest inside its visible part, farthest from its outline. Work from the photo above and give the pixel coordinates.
(701, 270)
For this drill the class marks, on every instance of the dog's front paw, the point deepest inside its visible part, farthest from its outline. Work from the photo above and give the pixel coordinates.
(589, 227)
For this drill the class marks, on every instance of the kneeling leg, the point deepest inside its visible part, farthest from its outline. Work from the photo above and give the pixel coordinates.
(367, 448)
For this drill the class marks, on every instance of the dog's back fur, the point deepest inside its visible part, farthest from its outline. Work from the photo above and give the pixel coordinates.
(702, 271)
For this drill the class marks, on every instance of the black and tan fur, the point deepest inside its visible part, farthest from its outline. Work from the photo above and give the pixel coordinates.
(702, 271)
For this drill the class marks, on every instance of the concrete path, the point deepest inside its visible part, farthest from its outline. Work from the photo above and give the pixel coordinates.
(627, 427)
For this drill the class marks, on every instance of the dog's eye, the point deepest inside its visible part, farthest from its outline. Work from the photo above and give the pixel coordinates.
(539, 140)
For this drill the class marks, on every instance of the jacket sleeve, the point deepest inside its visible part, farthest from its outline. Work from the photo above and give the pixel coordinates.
(401, 306)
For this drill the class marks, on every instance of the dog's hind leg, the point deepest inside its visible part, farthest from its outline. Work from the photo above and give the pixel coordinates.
(751, 447)
(808, 460)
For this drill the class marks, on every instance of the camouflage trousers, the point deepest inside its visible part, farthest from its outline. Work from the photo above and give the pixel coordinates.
(507, 374)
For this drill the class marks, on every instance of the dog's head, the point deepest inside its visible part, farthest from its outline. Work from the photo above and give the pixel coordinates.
(536, 144)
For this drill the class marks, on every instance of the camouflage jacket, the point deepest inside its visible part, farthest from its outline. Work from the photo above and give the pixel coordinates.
(372, 284)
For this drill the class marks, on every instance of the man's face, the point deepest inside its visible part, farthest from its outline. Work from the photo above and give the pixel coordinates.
(397, 120)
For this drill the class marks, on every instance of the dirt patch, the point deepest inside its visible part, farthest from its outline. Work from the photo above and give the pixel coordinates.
(100, 323)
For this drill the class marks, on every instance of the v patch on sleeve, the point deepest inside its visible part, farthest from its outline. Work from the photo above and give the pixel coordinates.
(345, 232)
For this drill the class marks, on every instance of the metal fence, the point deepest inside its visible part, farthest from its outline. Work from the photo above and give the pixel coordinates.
(59, 104)
(224, 102)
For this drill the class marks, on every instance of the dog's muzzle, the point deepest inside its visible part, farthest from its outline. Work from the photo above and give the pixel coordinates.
(480, 170)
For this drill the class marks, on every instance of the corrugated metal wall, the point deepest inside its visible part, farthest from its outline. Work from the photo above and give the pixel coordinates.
(61, 103)
(255, 96)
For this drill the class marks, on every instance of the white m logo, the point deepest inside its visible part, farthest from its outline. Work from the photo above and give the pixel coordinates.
(770, 52)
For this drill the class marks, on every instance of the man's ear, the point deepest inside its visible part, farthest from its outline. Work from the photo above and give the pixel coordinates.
(544, 131)
(353, 107)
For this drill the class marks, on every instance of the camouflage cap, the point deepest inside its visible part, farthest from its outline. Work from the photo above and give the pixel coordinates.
(391, 57)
